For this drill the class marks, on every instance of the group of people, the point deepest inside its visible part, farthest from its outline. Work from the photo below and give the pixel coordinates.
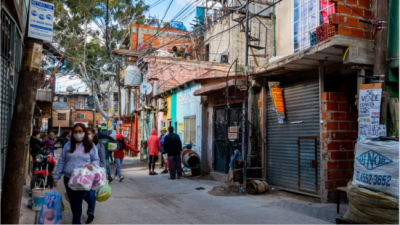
(83, 148)
(86, 148)
(170, 146)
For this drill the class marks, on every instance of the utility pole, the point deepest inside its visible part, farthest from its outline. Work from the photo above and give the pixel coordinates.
(25, 100)
(380, 49)
(119, 96)
(246, 97)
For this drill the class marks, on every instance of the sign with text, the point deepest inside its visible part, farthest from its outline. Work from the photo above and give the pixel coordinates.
(233, 133)
(369, 108)
(40, 25)
(277, 97)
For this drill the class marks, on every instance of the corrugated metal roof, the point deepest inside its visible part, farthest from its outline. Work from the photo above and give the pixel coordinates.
(60, 105)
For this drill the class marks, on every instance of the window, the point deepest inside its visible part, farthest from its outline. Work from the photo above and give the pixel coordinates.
(190, 129)
(169, 123)
(163, 124)
(80, 116)
(62, 116)
(304, 22)
(326, 8)
(306, 19)
(65, 99)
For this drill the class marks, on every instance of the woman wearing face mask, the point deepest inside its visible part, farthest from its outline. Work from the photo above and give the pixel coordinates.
(90, 197)
(119, 155)
(49, 142)
(105, 139)
(78, 153)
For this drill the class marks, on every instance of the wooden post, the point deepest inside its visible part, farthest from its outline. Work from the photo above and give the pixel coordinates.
(380, 49)
(13, 181)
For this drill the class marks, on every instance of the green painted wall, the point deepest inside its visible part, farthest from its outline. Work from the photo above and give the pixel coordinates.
(174, 102)
(392, 73)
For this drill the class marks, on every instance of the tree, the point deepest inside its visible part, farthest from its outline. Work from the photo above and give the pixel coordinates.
(80, 32)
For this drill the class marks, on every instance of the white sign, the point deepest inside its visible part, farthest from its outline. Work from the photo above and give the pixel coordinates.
(40, 25)
(145, 88)
(369, 108)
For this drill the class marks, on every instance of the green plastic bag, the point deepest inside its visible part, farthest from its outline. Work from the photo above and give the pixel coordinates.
(112, 147)
(103, 193)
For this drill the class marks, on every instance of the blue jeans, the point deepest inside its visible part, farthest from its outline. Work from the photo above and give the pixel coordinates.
(111, 157)
(90, 199)
(76, 201)
(118, 161)
(108, 167)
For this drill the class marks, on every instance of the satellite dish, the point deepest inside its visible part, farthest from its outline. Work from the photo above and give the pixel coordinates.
(145, 88)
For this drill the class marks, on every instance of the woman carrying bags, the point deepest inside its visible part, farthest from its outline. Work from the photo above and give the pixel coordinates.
(119, 155)
(78, 153)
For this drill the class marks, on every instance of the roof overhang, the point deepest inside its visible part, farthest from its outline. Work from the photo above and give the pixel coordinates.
(126, 53)
(331, 51)
(231, 83)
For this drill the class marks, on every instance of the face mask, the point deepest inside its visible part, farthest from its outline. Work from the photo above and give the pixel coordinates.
(79, 137)
(90, 137)
(103, 132)
(51, 138)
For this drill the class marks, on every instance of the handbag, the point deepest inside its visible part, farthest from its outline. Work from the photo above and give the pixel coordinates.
(99, 177)
(51, 212)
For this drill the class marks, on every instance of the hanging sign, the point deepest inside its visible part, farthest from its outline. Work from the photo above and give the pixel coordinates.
(277, 97)
(369, 111)
(145, 88)
(40, 25)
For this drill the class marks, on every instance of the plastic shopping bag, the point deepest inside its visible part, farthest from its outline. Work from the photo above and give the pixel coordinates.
(62, 200)
(112, 147)
(103, 193)
(81, 179)
(51, 212)
(99, 177)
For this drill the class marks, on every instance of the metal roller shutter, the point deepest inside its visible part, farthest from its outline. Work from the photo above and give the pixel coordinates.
(284, 157)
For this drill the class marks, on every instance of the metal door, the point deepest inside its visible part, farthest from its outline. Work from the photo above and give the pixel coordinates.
(284, 155)
(224, 149)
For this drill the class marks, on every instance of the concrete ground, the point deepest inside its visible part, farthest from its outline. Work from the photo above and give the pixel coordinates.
(141, 198)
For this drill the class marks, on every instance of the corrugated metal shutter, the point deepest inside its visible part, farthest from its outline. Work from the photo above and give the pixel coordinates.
(301, 104)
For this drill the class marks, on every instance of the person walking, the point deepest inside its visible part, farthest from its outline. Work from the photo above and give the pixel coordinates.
(173, 147)
(120, 154)
(90, 197)
(164, 156)
(105, 139)
(49, 142)
(63, 139)
(154, 149)
(78, 153)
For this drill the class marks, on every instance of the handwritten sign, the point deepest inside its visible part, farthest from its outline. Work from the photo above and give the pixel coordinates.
(277, 97)
(369, 111)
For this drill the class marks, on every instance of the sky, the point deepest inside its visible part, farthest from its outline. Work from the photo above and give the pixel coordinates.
(157, 11)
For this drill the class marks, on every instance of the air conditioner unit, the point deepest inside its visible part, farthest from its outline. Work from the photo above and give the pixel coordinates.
(162, 104)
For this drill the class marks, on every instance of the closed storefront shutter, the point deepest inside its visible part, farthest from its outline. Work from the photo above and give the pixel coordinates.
(288, 165)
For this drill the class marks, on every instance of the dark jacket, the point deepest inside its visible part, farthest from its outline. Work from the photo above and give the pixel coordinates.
(35, 144)
(105, 139)
(172, 144)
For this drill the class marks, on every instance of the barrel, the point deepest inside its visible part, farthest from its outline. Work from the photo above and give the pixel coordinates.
(190, 159)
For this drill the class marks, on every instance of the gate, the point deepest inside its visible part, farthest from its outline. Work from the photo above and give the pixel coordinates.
(224, 149)
(293, 146)
(11, 53)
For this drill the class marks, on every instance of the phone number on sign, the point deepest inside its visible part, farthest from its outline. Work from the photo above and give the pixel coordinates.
(373, 179)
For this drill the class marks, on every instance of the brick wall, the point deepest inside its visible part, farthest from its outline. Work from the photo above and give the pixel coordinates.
(347, 16)
(338, 136)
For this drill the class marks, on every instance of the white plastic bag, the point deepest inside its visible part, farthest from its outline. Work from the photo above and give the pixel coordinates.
(376, 166)
(112, 147)
(99, 177)
(81, 179)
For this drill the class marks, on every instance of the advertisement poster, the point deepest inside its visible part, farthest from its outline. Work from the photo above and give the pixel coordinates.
(369, 111)
(277, 97)
(40, 25)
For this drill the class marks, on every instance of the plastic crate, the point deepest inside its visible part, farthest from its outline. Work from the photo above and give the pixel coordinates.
(313, 38)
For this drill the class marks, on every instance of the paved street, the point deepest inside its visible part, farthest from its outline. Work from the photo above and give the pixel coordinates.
(141, 198)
